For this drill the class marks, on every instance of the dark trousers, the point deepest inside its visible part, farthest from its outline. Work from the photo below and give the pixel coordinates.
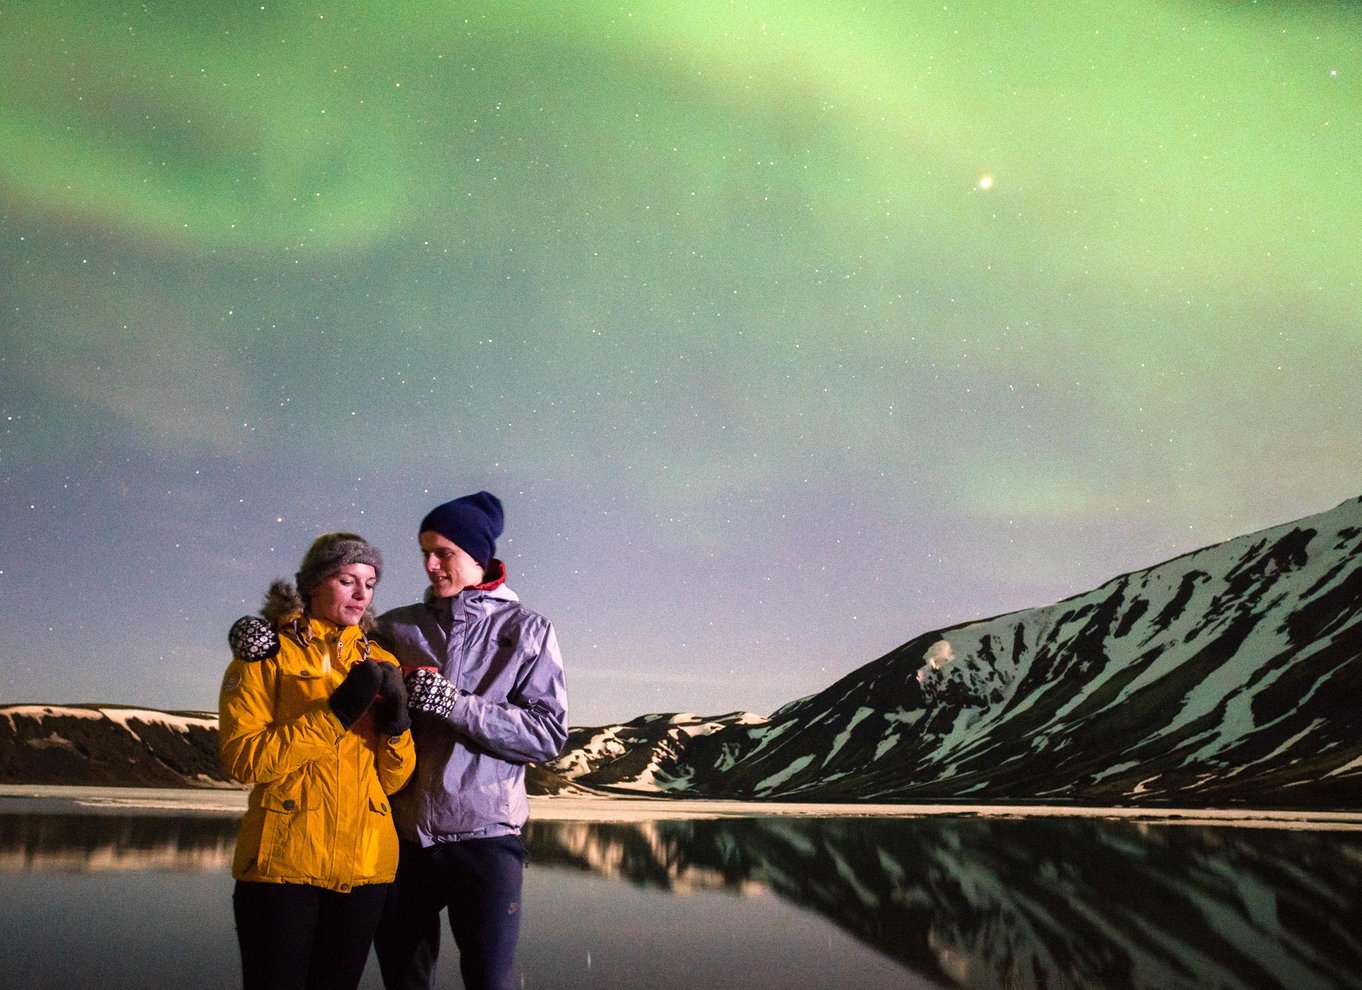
(479, 881)
(297, 937)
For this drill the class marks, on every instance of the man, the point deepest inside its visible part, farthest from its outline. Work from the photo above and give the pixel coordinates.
(487, 694)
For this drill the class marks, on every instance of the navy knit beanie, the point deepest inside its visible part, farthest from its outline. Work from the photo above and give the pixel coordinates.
(473, 523)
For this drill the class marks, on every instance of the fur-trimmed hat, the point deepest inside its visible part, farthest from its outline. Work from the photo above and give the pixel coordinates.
(472, 523)
(328, 554)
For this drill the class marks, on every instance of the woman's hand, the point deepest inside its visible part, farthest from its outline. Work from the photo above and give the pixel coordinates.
(357, 692)
(391, 717)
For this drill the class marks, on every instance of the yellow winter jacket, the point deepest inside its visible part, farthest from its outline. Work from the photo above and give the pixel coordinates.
(318, 813)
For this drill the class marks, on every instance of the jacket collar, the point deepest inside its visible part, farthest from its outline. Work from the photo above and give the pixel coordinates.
(493, 578)
(303, 629)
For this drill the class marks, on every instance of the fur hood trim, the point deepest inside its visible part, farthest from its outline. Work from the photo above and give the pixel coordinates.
(281, 602)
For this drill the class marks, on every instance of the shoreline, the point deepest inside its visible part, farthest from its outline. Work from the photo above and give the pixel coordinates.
(231, 801)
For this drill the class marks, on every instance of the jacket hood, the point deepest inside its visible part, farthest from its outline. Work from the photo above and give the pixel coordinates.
(282, 601)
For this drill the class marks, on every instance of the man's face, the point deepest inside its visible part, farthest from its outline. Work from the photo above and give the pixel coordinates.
(448, 566)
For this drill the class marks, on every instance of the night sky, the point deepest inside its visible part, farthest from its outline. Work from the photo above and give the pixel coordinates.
(786, 331)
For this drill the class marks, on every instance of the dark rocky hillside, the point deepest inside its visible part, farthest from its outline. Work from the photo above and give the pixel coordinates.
(1227, 676)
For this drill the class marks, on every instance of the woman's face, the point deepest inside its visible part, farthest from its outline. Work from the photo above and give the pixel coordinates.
(343, 597)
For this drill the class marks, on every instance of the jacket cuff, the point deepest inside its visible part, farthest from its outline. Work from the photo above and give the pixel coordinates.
(458, 712)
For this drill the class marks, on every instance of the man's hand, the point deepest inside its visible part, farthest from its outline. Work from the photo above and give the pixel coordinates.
(253, 639)
(428, 691)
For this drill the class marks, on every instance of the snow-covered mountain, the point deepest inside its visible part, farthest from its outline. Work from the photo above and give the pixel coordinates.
(117, 746)
(1230, 675)
(108, 745)
(626, 757)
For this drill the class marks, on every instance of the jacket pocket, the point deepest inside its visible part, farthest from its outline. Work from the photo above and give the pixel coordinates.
(378, 839)
(285, 839)
(300, 689)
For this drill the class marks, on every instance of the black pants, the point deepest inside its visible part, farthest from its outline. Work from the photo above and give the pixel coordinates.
(297, 937)
(479, 881)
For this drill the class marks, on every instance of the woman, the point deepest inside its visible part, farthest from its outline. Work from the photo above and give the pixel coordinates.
(317, 720)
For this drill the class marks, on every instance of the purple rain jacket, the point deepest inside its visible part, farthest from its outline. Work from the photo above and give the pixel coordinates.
(470, 769)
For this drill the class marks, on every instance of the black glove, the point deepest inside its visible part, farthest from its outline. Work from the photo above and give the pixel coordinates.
(357, 692)
(391, 717)
(252, 639)
(428, 691)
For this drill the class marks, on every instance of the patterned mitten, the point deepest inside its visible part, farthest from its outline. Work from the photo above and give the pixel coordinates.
(428, 691)
(252, 639)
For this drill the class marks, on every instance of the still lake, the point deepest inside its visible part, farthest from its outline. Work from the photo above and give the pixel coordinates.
(103, 897)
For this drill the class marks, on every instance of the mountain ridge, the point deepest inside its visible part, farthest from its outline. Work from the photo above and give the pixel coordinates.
(1223, 676)
(1220, 676)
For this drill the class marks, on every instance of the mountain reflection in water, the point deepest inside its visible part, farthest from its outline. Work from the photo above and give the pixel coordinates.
(1025, 903)
(957, 902)
(82, 842)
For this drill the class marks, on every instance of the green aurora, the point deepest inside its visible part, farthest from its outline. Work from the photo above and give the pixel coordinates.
(788, 330)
